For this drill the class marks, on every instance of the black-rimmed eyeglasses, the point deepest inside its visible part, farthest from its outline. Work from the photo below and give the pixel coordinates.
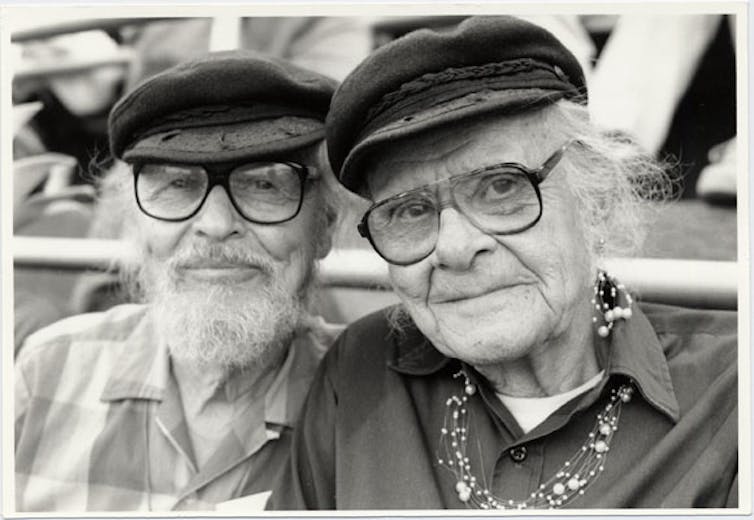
(261, 192)
(502, 199)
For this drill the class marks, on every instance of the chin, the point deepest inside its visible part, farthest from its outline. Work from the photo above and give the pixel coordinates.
(484, 345)
(490, 351)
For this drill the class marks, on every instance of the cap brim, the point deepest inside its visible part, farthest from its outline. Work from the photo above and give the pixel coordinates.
(477, 103)
(247, 140)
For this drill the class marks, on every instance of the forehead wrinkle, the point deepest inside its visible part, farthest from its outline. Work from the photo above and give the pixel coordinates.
(467, 145)
(420, 154)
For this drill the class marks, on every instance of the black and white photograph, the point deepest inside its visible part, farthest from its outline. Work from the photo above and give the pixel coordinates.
(399, 259)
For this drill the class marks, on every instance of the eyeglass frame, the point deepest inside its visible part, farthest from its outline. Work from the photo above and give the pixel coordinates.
(535, 176)
(221, 177)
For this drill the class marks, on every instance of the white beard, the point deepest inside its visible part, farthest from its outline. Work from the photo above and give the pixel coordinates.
(225, 325)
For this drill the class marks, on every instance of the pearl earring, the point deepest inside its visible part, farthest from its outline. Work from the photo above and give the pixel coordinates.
(611, 302)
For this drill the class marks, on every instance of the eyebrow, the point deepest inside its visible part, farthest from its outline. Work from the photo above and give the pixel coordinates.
(525, 170)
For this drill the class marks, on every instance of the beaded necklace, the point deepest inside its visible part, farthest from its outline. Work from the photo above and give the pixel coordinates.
(569, 482)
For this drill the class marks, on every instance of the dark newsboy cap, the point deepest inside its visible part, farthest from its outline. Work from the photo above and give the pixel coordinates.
(429, 78)
(225, 106)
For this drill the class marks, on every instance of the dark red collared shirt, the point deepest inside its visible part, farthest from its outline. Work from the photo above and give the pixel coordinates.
(370, 434)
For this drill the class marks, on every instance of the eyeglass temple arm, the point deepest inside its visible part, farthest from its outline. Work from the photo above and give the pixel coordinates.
(554, 159)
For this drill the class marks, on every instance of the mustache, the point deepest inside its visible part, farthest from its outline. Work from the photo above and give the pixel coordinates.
(200, 254)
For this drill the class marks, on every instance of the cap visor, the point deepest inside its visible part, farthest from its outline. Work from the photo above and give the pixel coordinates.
(228, 142)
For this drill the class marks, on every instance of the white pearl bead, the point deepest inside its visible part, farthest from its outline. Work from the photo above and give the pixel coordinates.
(464, 496)
(605, 429)
(603, 331)
(574, 484)
(558, 488)
(609, 316)
(461, 486)
(470, 389)
(627, 313)
(600, 446)
(618, 312)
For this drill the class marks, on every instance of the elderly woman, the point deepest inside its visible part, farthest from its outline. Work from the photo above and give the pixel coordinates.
(516, 374)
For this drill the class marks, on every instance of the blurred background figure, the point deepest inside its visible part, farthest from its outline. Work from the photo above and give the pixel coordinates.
(31, 310)
(331, 46)
(78, 76)
(675, 79)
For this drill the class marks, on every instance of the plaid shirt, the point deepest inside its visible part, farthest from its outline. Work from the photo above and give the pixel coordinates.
(99, 423)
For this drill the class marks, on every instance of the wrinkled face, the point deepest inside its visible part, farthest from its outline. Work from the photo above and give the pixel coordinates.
(226, 290)
(482, 298)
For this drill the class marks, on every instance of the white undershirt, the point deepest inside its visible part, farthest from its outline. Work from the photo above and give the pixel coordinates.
(531, 411)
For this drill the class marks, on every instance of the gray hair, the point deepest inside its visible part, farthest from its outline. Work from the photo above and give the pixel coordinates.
(620, 187)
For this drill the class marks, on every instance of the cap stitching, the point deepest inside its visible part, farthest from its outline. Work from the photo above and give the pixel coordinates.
(451, 74)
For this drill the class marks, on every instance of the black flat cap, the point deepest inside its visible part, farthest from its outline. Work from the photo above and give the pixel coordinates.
(429, 78)
(224, 106)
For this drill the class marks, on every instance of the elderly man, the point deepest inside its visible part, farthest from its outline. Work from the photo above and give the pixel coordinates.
(516, 373)
(188, 400)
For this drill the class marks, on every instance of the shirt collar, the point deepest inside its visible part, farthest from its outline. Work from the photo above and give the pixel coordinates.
(263, 419)
(635, 352)
(286, 394)
(141, 368)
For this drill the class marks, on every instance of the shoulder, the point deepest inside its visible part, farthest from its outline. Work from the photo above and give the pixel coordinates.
(700, 345)
(683, 329)
(671, 319)
(374, 332)
(366, 342)
(83, 332)
(374, 327)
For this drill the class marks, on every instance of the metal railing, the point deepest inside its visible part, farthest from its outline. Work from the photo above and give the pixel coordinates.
(692, 283)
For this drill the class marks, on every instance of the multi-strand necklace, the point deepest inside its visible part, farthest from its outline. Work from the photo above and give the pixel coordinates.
(568, 483)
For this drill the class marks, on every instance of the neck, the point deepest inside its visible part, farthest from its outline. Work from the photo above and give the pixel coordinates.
(557, 365)
(202, 384)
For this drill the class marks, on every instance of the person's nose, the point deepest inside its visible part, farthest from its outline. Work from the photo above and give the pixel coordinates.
(218, 219)
(459, 241)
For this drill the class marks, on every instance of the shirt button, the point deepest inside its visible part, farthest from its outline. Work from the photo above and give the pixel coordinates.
(518, 454)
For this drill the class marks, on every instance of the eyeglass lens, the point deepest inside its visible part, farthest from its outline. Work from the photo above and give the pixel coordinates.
(262, 192)
(501, 200)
